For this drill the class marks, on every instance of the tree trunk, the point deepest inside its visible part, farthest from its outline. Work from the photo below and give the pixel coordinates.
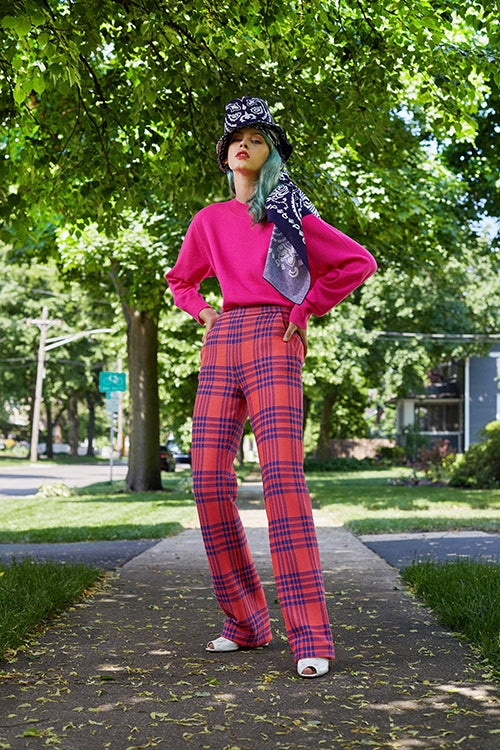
(73, 424)
(144, 456)
(90, 426)
(241, 452)
(48, 414)
(325, 429)
(307, 401)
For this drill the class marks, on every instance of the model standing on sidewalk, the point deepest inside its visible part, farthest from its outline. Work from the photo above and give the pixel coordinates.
(277, 263)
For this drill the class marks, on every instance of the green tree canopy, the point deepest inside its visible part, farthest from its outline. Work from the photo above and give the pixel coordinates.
(478, 162)
(109, 108)
(105, 104)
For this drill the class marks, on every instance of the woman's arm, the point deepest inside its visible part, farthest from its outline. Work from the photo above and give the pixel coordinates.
(192, 266)
(338, 265)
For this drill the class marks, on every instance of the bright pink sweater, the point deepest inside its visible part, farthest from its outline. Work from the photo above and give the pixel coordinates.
(221, 241)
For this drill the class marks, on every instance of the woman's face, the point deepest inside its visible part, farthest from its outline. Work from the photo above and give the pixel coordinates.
(248, 151)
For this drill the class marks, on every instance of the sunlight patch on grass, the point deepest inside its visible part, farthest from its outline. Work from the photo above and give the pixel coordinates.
(366, 503)
(95, 513)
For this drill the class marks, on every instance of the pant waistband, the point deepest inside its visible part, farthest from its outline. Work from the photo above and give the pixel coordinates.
(249, 310)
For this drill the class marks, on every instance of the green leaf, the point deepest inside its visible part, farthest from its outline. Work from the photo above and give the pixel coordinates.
(19, 93)
(37, 19)
(38, 84)
(9, 22)
(22, 26)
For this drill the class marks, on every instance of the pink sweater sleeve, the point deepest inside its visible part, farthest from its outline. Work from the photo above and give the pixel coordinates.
(192, 266)
(338, 265)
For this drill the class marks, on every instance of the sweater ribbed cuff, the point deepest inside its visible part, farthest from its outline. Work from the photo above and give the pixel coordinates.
(299, 316)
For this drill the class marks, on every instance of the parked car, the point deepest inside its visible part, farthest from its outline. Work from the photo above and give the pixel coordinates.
(167, 459)
(180, 456)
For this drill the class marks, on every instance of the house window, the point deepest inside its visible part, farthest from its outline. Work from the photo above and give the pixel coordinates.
(438, 417)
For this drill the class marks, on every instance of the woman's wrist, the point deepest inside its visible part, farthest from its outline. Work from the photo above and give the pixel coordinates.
(207, 314)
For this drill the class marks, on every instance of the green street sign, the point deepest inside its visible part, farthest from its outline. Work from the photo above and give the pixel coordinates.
(112, 381)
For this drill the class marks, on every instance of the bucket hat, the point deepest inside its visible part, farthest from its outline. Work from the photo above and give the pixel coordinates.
(246, 112)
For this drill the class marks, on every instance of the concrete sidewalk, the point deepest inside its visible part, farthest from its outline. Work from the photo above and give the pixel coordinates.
(128, 668)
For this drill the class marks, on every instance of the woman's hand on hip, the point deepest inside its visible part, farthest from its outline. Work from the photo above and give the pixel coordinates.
(209, 316)
(292, 327)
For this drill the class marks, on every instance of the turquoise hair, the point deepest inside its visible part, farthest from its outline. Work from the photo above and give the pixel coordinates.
(268, 179)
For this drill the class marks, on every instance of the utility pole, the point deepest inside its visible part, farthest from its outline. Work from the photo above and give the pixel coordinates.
(44, 324)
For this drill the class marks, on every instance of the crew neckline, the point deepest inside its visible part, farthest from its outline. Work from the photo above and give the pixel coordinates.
(238, 208)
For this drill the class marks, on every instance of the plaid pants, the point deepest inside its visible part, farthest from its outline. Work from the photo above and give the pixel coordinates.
(248, 370)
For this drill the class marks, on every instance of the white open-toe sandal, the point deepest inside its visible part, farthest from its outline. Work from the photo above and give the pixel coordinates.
(320, 665)
(222, 644)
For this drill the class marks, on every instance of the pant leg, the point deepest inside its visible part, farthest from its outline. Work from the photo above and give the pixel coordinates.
(273, 387)
(218, 421)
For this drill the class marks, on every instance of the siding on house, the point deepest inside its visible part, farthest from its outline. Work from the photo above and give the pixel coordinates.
(484, 392)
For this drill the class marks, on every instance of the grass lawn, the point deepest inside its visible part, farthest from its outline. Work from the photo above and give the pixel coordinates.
(464, 595)
(8, 458)
(363, 501)
(366, 503)
(31, 592)
(97, 513)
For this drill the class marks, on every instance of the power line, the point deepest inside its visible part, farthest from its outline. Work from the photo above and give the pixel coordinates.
(52, 294)
(19, 359)
(440, 336)
(49, 361)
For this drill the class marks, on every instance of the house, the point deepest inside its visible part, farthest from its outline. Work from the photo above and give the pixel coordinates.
(461, 399)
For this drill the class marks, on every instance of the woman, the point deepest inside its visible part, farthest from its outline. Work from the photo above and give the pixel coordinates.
(277, 263)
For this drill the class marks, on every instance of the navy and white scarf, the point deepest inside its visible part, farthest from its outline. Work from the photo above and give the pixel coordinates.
(287, 267)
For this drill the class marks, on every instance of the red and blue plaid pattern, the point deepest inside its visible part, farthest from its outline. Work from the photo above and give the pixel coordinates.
(248, 370)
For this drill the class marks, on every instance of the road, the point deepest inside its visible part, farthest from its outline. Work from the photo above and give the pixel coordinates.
(28, 478)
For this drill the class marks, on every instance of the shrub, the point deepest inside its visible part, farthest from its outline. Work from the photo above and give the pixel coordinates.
(436, 461)
(338, 464)
(479, 467)
(412, 441)
(56, 489)
(391, 455)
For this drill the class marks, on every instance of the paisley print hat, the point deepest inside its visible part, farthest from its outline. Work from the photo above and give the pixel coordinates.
(246, 112)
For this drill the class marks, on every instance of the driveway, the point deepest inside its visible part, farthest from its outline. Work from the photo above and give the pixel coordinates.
(442, 546)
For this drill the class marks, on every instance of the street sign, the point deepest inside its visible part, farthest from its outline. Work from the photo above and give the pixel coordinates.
(112, 402)
(112, 381)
